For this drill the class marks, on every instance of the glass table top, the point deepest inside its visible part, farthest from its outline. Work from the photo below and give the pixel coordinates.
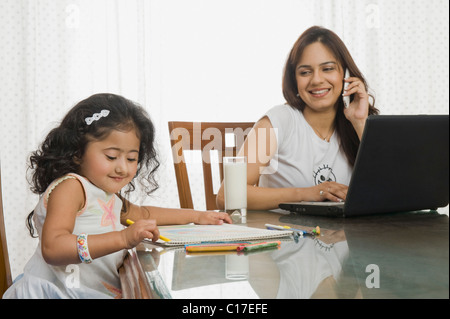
(402, 255)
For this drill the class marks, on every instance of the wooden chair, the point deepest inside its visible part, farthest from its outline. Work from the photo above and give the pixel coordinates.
(204, 137)
(5, 269)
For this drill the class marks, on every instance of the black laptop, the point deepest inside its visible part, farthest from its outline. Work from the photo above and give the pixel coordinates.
(402, 165)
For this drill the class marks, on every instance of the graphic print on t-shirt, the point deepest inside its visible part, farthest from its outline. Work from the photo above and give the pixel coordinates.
(324, 174)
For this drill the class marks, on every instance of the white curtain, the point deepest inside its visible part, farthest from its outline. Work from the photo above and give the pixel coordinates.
(203, 60)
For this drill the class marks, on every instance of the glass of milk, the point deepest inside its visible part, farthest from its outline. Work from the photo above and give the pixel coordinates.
(235, 187)
(236, 267)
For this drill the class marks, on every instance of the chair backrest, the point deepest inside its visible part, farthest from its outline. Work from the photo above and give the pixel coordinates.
(5, 269)
(204, 137)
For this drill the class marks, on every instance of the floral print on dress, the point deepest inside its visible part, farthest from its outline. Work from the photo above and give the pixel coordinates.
(108, 217)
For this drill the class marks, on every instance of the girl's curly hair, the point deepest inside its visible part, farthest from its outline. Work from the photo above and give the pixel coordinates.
(65, 145)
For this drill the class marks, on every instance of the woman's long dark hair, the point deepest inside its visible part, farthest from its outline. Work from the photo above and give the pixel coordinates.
(348, 138)
(65, 145)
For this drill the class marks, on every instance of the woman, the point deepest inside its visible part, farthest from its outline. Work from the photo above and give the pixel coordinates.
(305, 149)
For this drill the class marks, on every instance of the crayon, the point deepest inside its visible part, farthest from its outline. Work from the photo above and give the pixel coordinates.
(259, 246)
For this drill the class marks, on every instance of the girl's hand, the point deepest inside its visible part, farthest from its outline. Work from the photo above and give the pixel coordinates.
(331, 191)
(140, 230)
(213, 218)
(358, 110)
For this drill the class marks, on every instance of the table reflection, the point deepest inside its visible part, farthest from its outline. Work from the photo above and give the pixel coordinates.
(408, 254)
(301, 268)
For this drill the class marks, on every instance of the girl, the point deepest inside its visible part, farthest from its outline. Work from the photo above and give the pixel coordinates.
(311, 142)
(84, 171)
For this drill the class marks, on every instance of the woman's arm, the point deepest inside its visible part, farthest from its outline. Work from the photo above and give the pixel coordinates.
(256, 162)
(259, 150)
(358, 110)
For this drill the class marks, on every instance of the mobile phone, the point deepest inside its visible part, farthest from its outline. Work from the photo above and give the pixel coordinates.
(346, 98)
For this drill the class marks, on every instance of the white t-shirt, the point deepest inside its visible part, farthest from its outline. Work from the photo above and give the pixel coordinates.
(304, 265)
(302, 158)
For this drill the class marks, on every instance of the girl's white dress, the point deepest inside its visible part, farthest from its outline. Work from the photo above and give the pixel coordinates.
(99, 279)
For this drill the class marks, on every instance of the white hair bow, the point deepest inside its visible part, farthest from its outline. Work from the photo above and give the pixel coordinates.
(96, 116)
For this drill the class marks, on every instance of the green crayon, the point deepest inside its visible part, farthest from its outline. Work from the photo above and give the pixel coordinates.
(261, 246)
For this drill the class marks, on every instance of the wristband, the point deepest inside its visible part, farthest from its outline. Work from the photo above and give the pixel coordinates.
(82, 247)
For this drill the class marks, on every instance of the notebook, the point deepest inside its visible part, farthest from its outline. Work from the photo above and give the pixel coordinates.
(402, 165)
(192, 234)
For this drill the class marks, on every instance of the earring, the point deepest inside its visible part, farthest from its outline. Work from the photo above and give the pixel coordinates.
(298, 95)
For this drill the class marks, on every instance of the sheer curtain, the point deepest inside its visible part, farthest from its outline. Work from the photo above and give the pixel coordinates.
(204, 60)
